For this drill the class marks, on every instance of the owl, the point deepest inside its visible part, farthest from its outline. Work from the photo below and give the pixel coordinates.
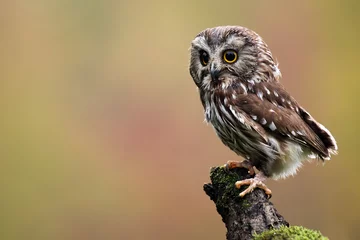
(250, 111)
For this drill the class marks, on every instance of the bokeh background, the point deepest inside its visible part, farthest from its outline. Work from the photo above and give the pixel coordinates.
(102, 132)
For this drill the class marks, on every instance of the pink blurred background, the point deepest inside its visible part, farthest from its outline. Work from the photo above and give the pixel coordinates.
(102, 132)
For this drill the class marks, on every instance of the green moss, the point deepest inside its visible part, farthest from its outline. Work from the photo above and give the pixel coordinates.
(220, 176)
(292, 233)
(226, 181)
(245, 204)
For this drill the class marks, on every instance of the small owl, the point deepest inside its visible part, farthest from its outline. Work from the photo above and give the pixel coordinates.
(251, 112)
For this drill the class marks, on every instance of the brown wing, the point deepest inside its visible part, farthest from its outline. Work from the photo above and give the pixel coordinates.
(275, 110)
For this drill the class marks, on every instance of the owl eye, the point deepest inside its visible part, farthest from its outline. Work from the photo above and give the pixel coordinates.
(230, 56)
(204, 57)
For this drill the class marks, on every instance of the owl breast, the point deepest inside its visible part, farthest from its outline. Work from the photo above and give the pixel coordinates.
(239, 138)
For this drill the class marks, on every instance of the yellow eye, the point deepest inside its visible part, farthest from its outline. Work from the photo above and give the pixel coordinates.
(204, 57)
(230, 56)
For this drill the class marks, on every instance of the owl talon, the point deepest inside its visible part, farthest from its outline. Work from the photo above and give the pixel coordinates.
(253, 183)
(237, 164)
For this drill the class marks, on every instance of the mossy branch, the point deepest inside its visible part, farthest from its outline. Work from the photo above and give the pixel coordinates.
(251, 217)
(293, 233)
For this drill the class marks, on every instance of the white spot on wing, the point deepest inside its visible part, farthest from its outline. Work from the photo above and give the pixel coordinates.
(233, 96)
(271, 110)
(263, 121)
(276, 94)
(272, 126)
(300, 133)
(260, 94)
(293, 133)
(254, 117)
(267, 90)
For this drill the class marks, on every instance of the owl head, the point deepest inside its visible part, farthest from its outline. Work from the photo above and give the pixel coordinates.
(223, 56)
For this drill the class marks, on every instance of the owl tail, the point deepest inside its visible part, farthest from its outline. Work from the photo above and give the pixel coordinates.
(322, 132)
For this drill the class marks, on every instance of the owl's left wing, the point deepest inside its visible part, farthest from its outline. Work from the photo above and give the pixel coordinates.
(278, 113)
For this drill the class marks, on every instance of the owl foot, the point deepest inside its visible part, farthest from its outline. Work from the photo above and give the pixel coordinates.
(256, 182)
(237, 164)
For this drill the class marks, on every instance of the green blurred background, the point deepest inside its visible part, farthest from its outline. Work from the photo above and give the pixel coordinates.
(102, 133)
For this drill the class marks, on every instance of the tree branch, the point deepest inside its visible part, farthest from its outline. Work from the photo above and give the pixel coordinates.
(251, 217)
(242, 216)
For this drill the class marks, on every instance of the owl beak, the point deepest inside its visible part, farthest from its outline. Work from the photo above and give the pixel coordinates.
(214, 72)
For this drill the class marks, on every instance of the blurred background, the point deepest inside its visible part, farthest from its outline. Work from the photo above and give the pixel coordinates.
(102, 132)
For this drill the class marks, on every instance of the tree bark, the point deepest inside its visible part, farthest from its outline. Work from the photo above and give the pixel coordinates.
(243, 217)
